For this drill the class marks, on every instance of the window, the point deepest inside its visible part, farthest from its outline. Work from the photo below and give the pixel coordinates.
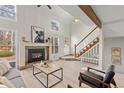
(55, 44)
(8, 11)
(7, 45)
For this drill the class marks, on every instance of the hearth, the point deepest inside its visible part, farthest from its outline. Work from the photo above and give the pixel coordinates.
(35, 55)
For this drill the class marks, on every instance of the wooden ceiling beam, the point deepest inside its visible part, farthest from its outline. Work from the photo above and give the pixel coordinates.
(87, 9)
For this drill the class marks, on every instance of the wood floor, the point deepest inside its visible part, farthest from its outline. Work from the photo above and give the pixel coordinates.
(71, 71)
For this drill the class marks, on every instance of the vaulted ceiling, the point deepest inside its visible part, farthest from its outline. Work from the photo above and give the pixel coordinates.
(112, 17)
(76, 12)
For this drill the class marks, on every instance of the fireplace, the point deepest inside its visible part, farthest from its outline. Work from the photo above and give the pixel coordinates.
(36, 55)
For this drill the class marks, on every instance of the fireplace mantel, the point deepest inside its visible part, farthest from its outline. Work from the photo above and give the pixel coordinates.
(36, 44)
(25, 45)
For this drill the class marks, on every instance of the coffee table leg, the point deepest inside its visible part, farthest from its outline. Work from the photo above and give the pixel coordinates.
(47, 81)
(62, 73)
(33, 70)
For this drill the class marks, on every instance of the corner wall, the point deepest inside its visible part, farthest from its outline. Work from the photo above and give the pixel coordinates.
(108, 44)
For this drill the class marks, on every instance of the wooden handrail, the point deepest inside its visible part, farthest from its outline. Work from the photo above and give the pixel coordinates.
(91, 42)
(75, 46)
(85, 51)
(87, 35)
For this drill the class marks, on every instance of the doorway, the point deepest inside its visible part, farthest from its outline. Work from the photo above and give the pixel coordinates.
(66, 49)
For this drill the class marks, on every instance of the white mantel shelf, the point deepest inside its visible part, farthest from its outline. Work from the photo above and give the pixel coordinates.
(35, 44)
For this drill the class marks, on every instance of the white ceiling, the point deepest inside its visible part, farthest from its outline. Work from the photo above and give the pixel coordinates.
(56, 11)
(76, 12)
(112, 17)
(67, 13)
(61, 13)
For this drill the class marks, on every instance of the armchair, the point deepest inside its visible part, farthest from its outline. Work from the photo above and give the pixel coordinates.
(95, 80)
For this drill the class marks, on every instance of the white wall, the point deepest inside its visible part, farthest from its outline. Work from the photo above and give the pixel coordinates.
(31, 15)
(108, 44)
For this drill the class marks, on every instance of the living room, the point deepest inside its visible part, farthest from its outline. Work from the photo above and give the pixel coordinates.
(49, 33)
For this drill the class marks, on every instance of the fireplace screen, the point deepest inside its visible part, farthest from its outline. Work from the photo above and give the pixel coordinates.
(36, 55)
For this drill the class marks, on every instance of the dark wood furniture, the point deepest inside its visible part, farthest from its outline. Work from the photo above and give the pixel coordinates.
(96, 80)
(47, 71)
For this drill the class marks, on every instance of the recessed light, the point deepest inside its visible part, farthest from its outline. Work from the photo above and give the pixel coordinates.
(76, 20)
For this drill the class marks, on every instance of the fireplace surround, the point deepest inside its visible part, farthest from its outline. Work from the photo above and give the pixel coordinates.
(26, 46)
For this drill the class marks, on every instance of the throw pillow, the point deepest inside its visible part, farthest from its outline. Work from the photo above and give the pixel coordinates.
(111, 68)
(6, 63)
(6, 82)
(4, 68)
(3, 86)
(109, 76)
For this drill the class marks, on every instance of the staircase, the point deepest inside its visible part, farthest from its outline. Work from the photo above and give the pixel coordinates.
(92, 55)
(86, 53)
(89, 52)
(88, 47)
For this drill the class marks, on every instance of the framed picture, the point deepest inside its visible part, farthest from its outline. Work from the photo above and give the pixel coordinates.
(116, 55)
(55, 25)
(37, 34)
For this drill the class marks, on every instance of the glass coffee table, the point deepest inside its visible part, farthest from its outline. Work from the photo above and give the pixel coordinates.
(50, 70)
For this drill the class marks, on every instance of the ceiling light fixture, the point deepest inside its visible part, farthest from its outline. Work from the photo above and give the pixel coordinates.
(46, 5)
(76, 20)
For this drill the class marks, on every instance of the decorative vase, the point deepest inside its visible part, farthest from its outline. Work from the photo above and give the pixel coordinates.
(41, 63)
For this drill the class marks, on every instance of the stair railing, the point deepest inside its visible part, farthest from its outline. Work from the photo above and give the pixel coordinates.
(76, 45)
(92, 55)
